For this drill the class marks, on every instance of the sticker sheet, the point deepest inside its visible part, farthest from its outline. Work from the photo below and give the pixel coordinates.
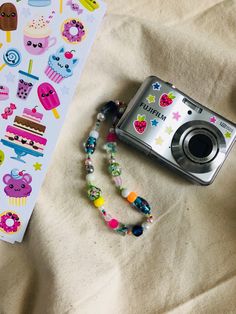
(43, 47)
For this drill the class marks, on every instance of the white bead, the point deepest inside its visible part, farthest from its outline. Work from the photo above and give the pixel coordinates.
(90, 178)
(101, 117)
(125, 193)
(146, 226)
(94, 134)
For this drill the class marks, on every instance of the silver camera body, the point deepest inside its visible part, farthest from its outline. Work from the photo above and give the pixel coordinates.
(165, 123)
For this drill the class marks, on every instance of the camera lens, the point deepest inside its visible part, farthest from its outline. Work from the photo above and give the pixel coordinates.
(200, 146)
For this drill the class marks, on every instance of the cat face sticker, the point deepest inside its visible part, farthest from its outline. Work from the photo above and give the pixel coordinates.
(61, 65)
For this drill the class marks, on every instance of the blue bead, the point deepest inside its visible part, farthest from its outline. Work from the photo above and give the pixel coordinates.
(142, 205)
(137, 231)
(90, 145)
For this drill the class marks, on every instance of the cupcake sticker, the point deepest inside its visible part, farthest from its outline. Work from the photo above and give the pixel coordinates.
(18, 187)
(61, 65)
(37, 35)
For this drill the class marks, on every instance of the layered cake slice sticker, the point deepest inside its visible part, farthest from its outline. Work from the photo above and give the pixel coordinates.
(25, 137)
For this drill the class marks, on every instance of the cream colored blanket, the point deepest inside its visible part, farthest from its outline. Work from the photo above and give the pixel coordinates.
(69, 262)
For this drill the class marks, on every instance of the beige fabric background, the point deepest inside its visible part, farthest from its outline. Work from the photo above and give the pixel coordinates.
(69, 262)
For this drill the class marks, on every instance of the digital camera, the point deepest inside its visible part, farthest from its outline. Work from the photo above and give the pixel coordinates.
(164, 122)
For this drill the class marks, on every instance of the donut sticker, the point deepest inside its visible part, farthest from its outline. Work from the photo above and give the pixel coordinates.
(8, 19)
(37, 35)
(18, 187)
(73, 31)
(61, 65)
(9, 222)
(25, 136)
(43, 48)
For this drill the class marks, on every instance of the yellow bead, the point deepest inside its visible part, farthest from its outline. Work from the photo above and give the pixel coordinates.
(99, 202)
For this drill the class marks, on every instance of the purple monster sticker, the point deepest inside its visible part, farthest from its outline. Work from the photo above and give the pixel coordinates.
(18, 187)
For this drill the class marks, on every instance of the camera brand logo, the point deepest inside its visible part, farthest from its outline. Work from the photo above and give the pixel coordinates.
(153, 111)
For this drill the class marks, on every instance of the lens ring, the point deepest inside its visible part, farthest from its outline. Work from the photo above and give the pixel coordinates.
(179, 147)
(200, 146)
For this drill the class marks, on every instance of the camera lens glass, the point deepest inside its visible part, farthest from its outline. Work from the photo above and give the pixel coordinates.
(200, 146)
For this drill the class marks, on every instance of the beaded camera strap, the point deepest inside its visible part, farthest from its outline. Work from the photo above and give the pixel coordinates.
(95, 193)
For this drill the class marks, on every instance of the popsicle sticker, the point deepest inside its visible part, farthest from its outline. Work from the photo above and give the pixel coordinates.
(26, 82)
(8, 19)
(18, 187)
(49, 98)
(12, 58)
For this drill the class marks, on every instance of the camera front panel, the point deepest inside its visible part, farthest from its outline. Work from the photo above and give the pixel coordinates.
(166, 123)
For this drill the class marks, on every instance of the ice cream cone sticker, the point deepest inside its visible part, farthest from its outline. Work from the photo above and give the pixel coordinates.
(18, 187)
(8, 19)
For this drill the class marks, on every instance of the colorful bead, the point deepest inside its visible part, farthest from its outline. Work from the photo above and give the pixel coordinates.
(101, 117)
(111, 148)
(94, 193)
(114, 169)
(113, 224)
(132, 197)
(94, 134)
(90, 178)
(146, 226)
(90, 145)
(142, 205)
(118, 181)
(150, 219)
(125, 193)
(111, 137)
(88, 162)
(99, 202)
(137, 231)
(90, 169)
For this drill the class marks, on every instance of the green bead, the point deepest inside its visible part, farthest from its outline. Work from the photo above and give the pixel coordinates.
(111, 148)
(94, 193)
(114, 169)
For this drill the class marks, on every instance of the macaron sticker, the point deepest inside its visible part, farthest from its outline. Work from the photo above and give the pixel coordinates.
(4, 92)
